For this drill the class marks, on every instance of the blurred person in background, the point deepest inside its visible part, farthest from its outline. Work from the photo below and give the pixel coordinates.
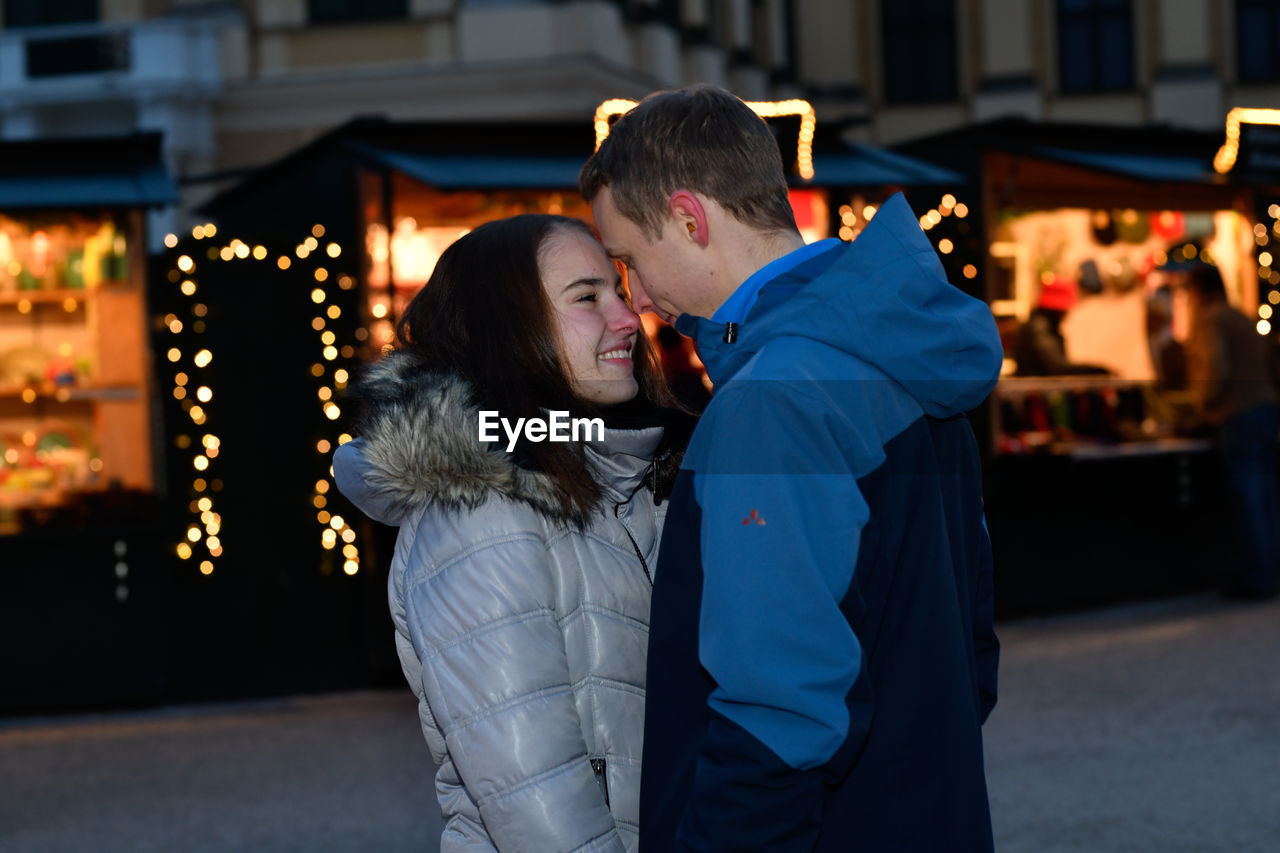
(1230, 378)
(521, 578)
(1040, 348)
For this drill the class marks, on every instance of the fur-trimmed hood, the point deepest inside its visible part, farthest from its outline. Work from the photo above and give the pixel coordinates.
(419, 445)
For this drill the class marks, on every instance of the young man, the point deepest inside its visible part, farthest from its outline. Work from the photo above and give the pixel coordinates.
(821, 655)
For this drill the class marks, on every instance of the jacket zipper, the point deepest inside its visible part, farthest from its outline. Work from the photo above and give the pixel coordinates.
(598, 767)
(617, 513)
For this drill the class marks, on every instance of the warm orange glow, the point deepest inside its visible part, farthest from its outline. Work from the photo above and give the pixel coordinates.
(764, 109)
(1226, 157)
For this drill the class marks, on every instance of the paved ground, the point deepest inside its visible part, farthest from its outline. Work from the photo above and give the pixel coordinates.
(343, 773)
(1145, 728)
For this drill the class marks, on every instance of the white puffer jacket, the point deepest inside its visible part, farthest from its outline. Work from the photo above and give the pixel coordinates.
(523, 636)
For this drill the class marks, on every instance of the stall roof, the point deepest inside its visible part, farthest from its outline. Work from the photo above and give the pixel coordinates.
(1154, 153)
(478, 171)
(121, 171)
(530, 155)
(855, 165)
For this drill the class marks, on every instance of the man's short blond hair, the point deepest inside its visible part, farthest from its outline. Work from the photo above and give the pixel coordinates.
(699, 138)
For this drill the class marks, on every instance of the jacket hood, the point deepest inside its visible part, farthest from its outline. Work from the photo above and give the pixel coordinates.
(883, 299)
(420, 445)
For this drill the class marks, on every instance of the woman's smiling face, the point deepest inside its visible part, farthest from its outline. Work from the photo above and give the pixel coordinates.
(595, 326)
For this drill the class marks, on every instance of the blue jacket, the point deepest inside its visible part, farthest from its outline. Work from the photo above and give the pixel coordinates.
(821, 653)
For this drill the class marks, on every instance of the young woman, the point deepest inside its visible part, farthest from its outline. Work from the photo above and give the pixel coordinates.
(522, 573)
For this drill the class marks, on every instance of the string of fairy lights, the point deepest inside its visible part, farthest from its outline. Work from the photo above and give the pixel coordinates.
(1268, 269)
(855, 216)
(331, 379)
(765, 109)
(190, 386)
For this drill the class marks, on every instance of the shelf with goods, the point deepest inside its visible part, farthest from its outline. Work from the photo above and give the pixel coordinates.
(74, 361)
(1093, 325)
(1090, 417)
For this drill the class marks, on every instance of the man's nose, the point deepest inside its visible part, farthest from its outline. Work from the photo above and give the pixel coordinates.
(640, 301)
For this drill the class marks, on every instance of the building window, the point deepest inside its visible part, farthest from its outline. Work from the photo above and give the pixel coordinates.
(1095, 46)
(41, 13)
(919, 42)
(333, 11)
(1257, 28)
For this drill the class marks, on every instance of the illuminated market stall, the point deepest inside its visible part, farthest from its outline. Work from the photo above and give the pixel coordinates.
(80, 522)
(1100, 481)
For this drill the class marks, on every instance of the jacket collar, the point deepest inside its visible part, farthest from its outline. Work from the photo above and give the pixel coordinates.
(421, 445)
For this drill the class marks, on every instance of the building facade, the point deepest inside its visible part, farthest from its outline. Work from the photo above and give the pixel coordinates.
(916, 67)
(233, 85)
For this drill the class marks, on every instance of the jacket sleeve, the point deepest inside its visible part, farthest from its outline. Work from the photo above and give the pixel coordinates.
(960, 482)
(781, 525)
(986, 645)
(495, 676)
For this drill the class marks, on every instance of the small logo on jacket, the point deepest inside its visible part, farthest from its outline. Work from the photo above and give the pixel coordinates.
(754, 518)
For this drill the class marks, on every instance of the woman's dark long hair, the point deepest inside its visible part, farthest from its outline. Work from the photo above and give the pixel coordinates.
(483, 315)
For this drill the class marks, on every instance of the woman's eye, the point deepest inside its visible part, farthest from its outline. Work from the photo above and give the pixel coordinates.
(587, 297)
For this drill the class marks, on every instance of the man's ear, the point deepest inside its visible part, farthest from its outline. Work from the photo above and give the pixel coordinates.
(687, 209)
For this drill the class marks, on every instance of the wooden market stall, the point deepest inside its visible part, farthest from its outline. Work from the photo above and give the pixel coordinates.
(1101, 483)
(81, 525)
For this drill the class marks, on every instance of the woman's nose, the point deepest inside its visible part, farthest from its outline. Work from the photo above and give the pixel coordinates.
(624, 319)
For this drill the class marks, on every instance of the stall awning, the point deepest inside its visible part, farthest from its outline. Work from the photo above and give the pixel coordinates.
(1148, 166)
(85, 173)
(478, 171)
(856, 166)
(863, 166)
(1162, 155)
